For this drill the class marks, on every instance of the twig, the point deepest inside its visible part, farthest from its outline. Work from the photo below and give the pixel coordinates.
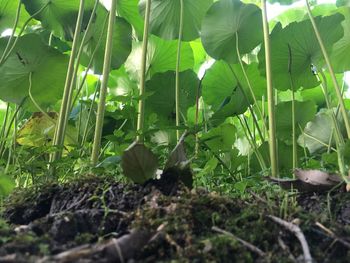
(298, 233)
(331, 234)
(248, 245)
(286, 248)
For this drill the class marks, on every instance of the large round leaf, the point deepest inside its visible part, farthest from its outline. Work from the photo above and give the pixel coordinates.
(304, 112)
(295, 49)
(122, 37)
(161, 57)
(223, 20)
(162, 88)
(59, 15)
(47, 66)
(341, 50)
(165, 17)
(129, 10)
(221, 138)
(233, 105)
(218, 84)
(220, 80)
(8, 9)
(285, 157)
(318, 132)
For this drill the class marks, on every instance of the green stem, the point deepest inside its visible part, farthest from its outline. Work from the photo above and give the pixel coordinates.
(141, 108)
(294, 138)
(60, 128)
(252, 142)
(6, 53)
(331, 71)
(270, 94)
(239, 85)
(3, 128)
(249, 84)
(103, 91)
(87, 126)
(77, 60)
(13, 31)
(177, 71)
(295, 153)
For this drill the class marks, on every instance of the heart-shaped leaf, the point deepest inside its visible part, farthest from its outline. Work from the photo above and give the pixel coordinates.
(223, 21)
(296, 49)
(129, 10)
(161, 57)
(304, 112)
(165, 17)
(47, 67)
(162, 88)
(59, 16)
(8, 9)
(122, 36)
(139, 163)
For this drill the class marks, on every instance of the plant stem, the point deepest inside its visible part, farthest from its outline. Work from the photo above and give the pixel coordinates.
(251, 141)
(270, 95)
(78, 56)
(331, 71)
(141, 108)
(249, 84)
(294, 139)
(6, 53)
(295, 153)
(89, 64)
(13, 31)
(103, 90)
(61, 127)
(177, 71)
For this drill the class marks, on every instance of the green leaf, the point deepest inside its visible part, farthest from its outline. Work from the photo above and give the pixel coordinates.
(218, 83)
(343, 2)
(161, 57)
(139, 163)
(6, 185)
(318, 132)
(8, 10)
(340, 56)
(283, 2)
(122, 36)
(220, 139)
(233, 105)
(165, 18)
(223, 20)
(47, 66)
(220, 89)
(162, 88)
(129, 10)
(120, 83)
(59, 16)
(296, 49)
(285, 157)
(304, 112)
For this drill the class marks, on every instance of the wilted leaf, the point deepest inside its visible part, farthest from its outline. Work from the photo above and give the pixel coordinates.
(309, 181)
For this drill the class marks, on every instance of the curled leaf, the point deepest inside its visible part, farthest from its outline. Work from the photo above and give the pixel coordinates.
(309, 181)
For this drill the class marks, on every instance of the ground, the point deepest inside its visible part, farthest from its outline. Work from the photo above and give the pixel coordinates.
(96, 219)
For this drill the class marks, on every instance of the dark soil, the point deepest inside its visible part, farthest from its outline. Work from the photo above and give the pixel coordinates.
(172, 223)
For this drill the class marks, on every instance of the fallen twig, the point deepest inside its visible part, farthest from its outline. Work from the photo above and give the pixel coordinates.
(298, 233)
(248, 245)
(331, 234)
(115, 250)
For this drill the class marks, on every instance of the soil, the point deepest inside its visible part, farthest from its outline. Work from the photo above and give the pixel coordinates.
(97, 219)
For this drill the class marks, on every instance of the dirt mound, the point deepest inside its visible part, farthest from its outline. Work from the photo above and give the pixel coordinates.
(99, 220)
